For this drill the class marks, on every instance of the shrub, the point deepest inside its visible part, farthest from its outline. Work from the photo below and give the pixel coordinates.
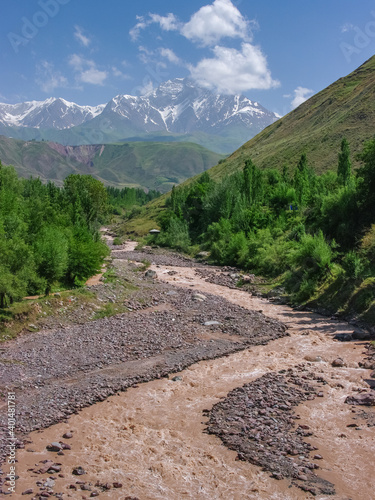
(176, 235)
(313, 253)
(353, 265)
(368, 243)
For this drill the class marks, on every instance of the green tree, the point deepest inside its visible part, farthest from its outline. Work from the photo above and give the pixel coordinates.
(51, 255)
(366, 185)
(344, 164)
(301, 180)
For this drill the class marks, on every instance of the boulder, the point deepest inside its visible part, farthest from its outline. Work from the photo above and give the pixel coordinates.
(364, 399)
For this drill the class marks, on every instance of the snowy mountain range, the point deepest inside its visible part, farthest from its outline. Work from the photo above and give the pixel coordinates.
(51, 113)
(178, 110)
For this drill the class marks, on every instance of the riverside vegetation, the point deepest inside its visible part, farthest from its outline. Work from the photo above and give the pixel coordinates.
(313, 234)
(49, 236)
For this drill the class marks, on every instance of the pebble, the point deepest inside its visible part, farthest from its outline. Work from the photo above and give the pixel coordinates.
(338, 363)
(54, 447)
(78, 471)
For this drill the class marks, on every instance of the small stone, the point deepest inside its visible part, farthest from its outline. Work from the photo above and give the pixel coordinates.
(117, 485)
(318, 457)
(313, 359)
(177, 378)
(151, 274)
(78, 471)
(302, 477)
(211, 323)
(278, 476)
(67, 435)
(54, 447)
(199, 297)
(338, 363)
(94, 494)
(28, 492)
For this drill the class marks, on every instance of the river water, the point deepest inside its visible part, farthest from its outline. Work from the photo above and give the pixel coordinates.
(151, 440)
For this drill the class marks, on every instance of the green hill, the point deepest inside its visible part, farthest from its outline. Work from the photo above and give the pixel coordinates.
(344, 109)
(134, 164)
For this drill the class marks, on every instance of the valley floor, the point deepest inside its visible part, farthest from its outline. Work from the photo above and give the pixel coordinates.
(184, 343)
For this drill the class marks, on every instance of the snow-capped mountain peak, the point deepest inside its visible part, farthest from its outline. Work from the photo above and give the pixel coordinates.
(56, 113)
(178, 106)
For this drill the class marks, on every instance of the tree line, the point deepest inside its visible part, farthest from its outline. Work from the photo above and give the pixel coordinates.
(299, 223)
(48, 235)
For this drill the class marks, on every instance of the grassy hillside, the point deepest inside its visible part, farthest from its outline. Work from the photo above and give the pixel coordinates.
(344, 109)
(135, 164)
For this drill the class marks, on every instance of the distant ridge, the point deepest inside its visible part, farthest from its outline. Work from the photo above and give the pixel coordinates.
(146, 165)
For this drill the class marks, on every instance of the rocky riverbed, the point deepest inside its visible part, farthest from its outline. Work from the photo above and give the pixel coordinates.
(151, 439)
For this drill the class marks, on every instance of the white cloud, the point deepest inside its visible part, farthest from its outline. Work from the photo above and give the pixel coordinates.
(87, 71)
(76, 61)
(213, 22)
(167, 23)
(301, 94)
(93, 76)
(146, 88)
(141, 25)
(231, 71)
(48, 78)
(83, 39)
(170, 55)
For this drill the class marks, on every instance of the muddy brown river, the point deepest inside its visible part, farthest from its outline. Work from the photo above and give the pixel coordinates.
(151, 438)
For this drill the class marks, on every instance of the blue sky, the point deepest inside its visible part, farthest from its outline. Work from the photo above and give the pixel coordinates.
(277, 53)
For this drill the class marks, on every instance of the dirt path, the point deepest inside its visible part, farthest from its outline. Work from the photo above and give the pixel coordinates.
(151, 440)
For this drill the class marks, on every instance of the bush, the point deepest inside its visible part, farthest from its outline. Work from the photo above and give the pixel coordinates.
(306, 289)
(313, 253)
(353, 265)
(368, 244)
(176, 235)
